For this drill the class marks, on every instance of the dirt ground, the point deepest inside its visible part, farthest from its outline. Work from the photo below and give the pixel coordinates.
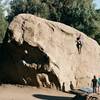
(19, 92)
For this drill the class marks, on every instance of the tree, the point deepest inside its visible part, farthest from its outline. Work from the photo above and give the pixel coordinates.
(78, 14)
(3, 23)
(36, 7)
(49, 9)
(97, 35)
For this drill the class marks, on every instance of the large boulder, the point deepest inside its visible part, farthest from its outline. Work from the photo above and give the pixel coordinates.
(35, 40)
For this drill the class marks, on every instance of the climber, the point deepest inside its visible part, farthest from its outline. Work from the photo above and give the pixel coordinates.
(94, 84)
(79, 43)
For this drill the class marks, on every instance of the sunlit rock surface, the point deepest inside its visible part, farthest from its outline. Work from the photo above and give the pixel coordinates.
(34, 45)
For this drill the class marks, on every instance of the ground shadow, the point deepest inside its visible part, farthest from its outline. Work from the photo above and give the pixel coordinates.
(49, 97)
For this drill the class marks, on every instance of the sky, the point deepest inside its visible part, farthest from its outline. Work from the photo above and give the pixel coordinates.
(97, 4)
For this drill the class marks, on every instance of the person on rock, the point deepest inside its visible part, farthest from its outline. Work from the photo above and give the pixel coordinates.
(79, 43)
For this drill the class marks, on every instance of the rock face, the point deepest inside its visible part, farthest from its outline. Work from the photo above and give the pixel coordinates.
(52, 47)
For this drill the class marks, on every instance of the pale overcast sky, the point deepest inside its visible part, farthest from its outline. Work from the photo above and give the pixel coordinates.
(97, 2)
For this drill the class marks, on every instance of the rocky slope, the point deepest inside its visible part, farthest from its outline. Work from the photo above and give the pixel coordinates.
(52, 47)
